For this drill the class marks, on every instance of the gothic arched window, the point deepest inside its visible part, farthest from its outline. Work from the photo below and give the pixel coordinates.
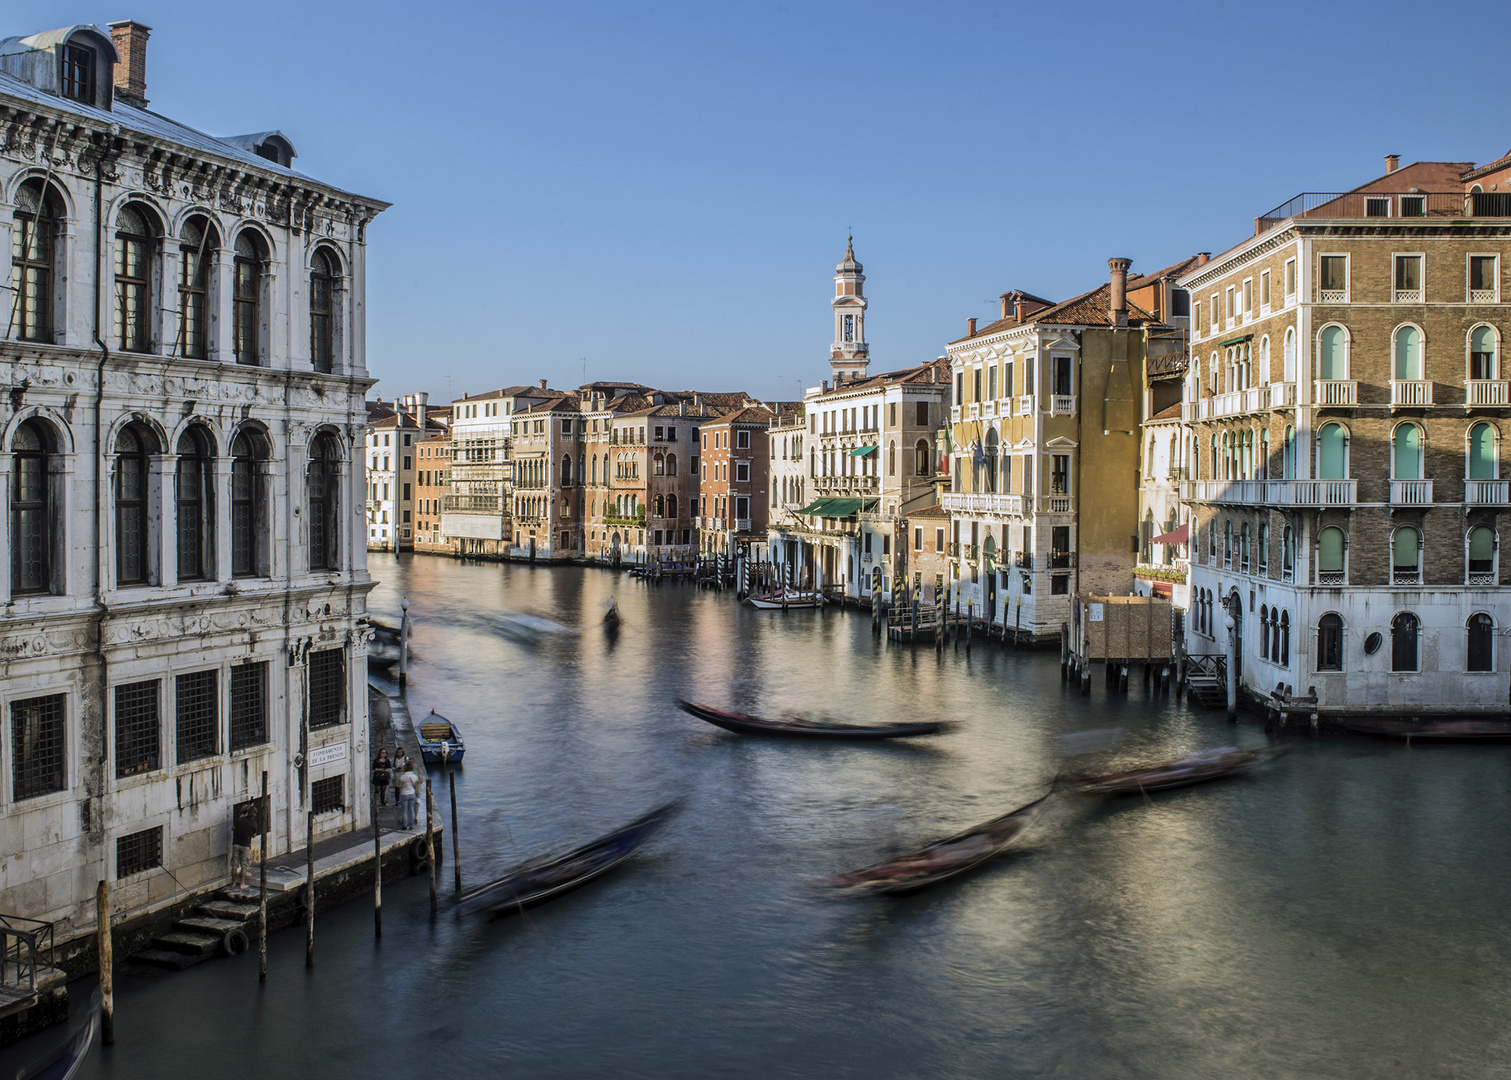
(246, 298)
(322, 311)
(196, 256)
(133, 536)
(248, 544)
(323, 489)
(195, 486)
(133, 279)
(34, 247)
(32, 539)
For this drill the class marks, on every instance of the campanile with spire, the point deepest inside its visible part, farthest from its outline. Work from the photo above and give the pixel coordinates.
(849, 354)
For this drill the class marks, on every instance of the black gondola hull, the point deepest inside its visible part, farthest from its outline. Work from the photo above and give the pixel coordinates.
(752, 725)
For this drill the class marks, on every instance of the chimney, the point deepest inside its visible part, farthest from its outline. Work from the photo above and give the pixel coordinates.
(1392, 163)
(1203, 257)
(1006, 305)
(970, 327)
(421, 403)
(1117, 296)
(131, 73)
(542, 384)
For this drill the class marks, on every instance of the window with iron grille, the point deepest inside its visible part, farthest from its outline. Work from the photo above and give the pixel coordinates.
(328, 795)
(249, 705)
(327, 687)
(37, 732)
(139, 851)
(198, 701)
(136, 728)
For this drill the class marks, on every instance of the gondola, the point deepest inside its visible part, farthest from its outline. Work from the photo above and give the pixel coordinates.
(62, 1062)
(939, 860)
(810, 728)
(785, 602)
(1198, 768)
(440, 740)
(550, 876)
(1444, 731)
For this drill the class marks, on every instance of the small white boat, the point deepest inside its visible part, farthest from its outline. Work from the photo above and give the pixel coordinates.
(779, 601)
(532, 629)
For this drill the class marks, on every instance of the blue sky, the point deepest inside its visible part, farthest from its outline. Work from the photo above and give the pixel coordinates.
(659, 192)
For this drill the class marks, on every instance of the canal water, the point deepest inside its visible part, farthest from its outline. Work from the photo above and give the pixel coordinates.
(1340, 914)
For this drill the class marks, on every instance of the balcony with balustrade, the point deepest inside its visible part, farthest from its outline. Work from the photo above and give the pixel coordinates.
(1486, 492)
(1411, 493)
(1482, 393)
(1410, 393)
(1272, 492)
(1056, 504)
(965, 502)
(1282, 395)
(1335, 393)
(1062, 405)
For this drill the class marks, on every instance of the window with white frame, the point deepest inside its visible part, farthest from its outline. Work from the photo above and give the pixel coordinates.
(1484, 279)
(1483, 354)
(1264, 291)
(1290, 279)
(1377, 206)
(1229, 301)
(1406, 285)
(1332, 279)
(1248, 297)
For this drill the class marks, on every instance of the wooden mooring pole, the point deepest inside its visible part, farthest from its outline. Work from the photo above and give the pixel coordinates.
(309, 886)
(263, 814)
(430, 841)
(456, 847)
(107, 963)
(377, 870)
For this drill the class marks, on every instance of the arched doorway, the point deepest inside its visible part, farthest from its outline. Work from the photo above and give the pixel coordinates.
(1235, 609)
(989, 564)
(614, 549)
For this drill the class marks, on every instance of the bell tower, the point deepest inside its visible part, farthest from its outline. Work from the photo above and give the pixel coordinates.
(849, 354)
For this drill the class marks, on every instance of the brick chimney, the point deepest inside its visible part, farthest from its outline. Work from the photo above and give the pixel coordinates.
(131, 73)
(1203, 257)
(1007, 305)
(1392, 163)
(1117, 295)
(970, 327)
(542, 384)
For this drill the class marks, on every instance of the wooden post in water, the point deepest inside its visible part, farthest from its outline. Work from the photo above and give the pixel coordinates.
(263, 814)
(429, 839)
(970, 623)
(377, 870)
(456, 847)
(309, 884)
(107, 963)
(404, 635)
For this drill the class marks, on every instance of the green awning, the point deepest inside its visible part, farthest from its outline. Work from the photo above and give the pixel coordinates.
(1235, 341)
(839, 508)
(862, 451)
(815, 507)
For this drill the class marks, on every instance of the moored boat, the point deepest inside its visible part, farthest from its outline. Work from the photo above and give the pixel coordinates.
(1433, 730)
(440, 740)
(809, 727)
(550, 876)
(940, 859)
(1197, 768)
(785, 601)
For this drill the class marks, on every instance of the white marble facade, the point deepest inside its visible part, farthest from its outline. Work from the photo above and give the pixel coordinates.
(182, 485)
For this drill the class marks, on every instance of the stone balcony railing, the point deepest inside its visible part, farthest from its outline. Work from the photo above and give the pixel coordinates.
(1411, 493)
(1410, 393)
(1481, 392)
(1272, 492)
(1486, 492)
(1336, 392)
(965, 502)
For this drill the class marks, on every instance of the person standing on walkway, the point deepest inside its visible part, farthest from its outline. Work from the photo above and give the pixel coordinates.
(382, 776)
(401, 765)
(408, 783)
(243, 829)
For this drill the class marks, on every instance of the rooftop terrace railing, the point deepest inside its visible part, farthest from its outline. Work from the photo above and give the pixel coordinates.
(1387, 204)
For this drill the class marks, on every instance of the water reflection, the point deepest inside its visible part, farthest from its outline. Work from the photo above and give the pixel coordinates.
(1337, 914)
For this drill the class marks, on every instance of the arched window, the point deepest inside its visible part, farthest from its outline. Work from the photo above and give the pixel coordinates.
(1332, 353)
(1264, 358)
(1404, 631)
(133, 548)
(1406, 453)
(1331, 553)
(990, 472)
(1481, 644)
(1408, 353)
(1332, 452)
(1264, 454)
(1482, 556)
(1289, 360)
(31, 526)
(133, 279)
(1262, 554)
(246, 318)
(1483, 358)
(324, 491)
(658, 465)
(1243, 547)
(566, 470)
(1285, 639)
(671, 464)
(1406, 556)
(1288, 554)
(1483, 462)
(921, 465)
(1288, 454)
(593, 470)
(34, 247)
(322, 311)
(196, 256)
(661, 506)
(1264, 632)
(671, 506)
(1330, 642)
(1227, 543)
(195, 490)
(248, 544)
(605, 468)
